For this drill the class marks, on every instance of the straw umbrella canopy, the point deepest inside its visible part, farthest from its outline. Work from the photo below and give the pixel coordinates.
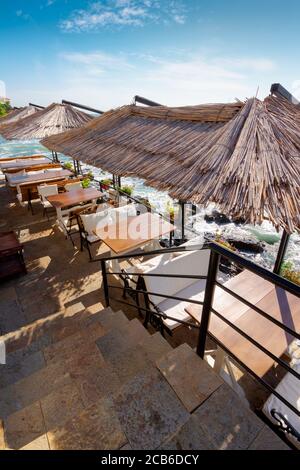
(54, 119)
(17, 114)
(243, 156)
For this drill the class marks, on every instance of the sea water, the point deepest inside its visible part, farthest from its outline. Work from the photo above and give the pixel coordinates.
(265, 233)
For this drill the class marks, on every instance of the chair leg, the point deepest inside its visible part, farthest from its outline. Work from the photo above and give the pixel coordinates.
(89, 250)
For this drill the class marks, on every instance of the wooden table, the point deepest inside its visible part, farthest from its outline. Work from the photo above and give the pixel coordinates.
(22, 165)
(71, 198)
(41, 178)
(123, 241)
(273, 300)
(121, 237)
(21, 157)
(31, 182)
(11, 255)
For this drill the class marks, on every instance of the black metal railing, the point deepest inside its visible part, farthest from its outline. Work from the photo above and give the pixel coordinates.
(217, 252)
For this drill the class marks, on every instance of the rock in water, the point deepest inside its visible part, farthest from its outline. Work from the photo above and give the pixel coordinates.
(217, 217)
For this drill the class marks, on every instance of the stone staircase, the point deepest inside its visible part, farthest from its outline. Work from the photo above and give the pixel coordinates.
(77, 380)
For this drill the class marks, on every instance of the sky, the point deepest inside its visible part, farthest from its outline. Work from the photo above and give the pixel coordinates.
(175, 52)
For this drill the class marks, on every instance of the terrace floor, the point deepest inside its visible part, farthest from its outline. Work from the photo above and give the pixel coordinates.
(81, 376)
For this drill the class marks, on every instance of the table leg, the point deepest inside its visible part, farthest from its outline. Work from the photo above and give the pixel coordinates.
(219, 361)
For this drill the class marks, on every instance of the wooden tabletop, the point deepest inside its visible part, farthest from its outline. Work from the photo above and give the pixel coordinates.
(70, 198)
(24, 164)
(40, 178)
(21, 157)
(149, 227)
(276, 302)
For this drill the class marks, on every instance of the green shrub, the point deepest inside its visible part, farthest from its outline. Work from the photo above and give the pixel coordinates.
(4, 108)
(68, 166)
(289, 272)
(127, 189)
(86, 183)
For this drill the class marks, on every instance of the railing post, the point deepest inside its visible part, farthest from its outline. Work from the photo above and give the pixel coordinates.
(208, 300)
(105, 283)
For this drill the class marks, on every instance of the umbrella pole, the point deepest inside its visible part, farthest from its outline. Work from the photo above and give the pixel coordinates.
(281, 252)
(182, 205)
(75, 167)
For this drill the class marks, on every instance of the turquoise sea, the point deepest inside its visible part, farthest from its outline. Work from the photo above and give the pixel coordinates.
(265, 233)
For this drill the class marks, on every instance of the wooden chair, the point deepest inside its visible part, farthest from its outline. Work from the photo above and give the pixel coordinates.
(44, 191)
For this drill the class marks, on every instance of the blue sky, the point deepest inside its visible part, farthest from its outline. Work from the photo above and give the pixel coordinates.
(176, 52)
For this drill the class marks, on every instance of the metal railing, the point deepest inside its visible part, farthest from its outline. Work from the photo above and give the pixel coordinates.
(216, 253)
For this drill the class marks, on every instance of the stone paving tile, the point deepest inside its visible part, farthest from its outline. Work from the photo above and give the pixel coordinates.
(61, 405)
(155, 346)
(149, 410)
(8, 293)
(24, 426)
(40, 443)
(61, 332)
(64, 347)
(32, 388)
(17, 370)
(96, 382)
(78, 357)
(126, 447)
(268, 440)
(93, 331)
(227, 422)
(110, 319)
(127, 364)
(189, 437)
(96, 428)
(28, 344)
(11, 316)
(119, 340)
(189, 376)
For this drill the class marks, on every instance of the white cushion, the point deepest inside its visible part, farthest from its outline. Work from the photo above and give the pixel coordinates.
(289, 388)
(176, 308)
(49, 170)
(91, 221)
(133, 271)
(192, 263)
(37, 172)
(121, 213)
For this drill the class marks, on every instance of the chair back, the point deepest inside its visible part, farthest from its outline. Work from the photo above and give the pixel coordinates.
(73, 186)
(46, 190)
(192, 262)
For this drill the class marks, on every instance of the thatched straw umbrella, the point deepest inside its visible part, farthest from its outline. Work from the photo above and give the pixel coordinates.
(17, 114)
(243, 157)
(52, 120)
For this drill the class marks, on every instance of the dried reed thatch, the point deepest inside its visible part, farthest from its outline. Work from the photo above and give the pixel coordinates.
(54, 119)
(243, 157)
(17, 114)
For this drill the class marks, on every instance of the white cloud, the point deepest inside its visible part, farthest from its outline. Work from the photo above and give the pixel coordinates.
(22, 15)
(181, 79)
(124, 13)
(256, 64)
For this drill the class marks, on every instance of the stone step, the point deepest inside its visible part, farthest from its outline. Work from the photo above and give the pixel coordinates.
(32, 388)
(149, 410)
(49, 330)
(95, 428)
(190, 377)
(17, 368)
(121, 338)
(11, 316)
